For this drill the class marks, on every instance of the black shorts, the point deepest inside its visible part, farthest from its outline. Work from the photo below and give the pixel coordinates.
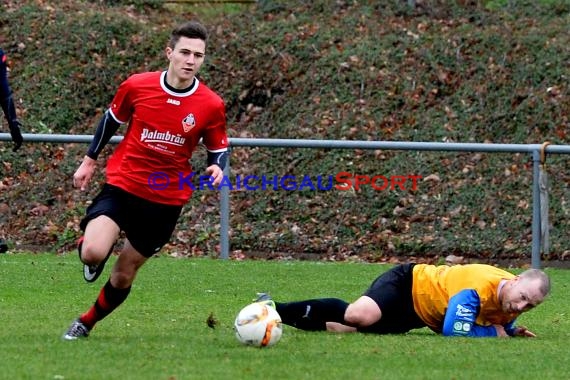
(147, 225)
(392, 291)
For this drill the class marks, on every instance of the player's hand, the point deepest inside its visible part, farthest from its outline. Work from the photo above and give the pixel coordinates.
(16, 134)
(524, 332)
(84, 173)
(216, 173)
(501, 333)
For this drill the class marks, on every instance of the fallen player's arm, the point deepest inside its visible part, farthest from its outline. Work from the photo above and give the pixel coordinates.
(521, 331)
(461, 315)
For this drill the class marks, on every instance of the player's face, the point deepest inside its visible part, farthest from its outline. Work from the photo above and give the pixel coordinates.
(521, 295)
(185, 61)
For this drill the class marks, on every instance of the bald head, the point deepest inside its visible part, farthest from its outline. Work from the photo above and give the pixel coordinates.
(525, 291)
(539, 277)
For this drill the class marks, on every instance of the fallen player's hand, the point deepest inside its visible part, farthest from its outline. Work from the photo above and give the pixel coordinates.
(524, 332)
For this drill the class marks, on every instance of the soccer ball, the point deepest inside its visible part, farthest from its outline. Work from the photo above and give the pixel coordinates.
(258, 325)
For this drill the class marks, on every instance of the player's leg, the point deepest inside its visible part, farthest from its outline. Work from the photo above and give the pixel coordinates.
(340, 328)
(118, 287)
(363, 312)
(387, 306)
(99, 237)
(384, 293)
(148, 226)
(313, 314)
(127, 265)
(331, 314)
(101, 226)
(113, 293)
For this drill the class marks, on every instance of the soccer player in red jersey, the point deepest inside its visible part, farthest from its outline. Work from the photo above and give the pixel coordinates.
(148, 176)
(7, 104)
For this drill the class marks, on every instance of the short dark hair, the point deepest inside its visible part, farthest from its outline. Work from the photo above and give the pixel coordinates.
(190, 29)
(537, 274)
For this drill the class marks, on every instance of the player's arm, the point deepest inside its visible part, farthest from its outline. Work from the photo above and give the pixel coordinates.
(107, 127)
(510, 328)
(13, 122)
(215, 140)
(216, 163)
(7, 104)
(522, 331)
(461, 314)
(219, 158)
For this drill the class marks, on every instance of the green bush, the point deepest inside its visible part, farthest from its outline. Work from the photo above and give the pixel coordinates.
(490, 72)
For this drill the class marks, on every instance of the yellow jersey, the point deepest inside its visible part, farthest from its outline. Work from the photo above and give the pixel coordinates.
(461, 299)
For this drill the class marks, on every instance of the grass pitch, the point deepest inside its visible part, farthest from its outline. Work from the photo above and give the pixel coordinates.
(160, 332)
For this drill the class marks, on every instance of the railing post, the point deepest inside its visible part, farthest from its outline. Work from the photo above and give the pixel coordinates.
(536, 238)
(225, 214)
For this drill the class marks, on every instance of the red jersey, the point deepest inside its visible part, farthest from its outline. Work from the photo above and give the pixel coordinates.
(164, 128)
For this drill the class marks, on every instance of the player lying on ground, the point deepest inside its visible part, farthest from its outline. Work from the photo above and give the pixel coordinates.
(463, 300)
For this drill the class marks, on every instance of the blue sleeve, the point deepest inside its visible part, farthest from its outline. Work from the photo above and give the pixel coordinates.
(510, 328)
(461, 314)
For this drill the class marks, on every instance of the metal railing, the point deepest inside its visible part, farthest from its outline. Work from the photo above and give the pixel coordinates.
(536, 150)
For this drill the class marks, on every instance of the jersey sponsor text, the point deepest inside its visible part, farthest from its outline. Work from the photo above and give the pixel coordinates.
(162, 137)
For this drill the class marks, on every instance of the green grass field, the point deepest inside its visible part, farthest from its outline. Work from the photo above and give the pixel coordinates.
(160, 332)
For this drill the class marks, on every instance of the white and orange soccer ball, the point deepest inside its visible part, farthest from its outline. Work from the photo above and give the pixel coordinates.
(259, 325)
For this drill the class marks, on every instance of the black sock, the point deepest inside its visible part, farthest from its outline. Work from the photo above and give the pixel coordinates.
(108, 300)
(312, 315)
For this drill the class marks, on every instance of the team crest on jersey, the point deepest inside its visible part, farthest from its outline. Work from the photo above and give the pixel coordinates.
(188, 123)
